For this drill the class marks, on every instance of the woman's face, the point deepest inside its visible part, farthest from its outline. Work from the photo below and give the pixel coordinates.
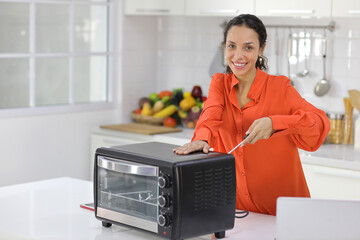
(242, 50)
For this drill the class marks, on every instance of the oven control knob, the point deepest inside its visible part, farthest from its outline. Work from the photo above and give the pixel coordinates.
(164, 220)
(164, 200)
(164, 181)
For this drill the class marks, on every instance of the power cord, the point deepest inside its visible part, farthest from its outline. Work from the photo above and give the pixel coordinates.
(243, 214)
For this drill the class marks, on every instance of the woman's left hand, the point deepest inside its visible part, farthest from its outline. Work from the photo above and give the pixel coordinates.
(261, 128)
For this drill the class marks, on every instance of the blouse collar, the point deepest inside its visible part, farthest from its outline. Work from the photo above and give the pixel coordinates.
(256, 86)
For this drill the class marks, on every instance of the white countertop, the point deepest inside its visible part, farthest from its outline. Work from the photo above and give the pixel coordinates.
(50, 210)
(331, 155)
(179, 138)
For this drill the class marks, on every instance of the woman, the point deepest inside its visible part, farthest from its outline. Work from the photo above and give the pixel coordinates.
(277, 120)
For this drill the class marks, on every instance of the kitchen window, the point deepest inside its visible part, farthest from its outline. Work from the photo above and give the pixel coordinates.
(54, 54)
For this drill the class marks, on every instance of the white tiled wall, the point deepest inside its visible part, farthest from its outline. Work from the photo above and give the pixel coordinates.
(139, 61)
(162, 53)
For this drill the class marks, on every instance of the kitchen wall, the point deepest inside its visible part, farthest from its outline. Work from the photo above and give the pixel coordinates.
(178, 51)
(47, 146)
(139, 61)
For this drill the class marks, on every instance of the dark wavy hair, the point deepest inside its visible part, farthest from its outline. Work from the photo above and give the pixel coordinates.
(258, 26)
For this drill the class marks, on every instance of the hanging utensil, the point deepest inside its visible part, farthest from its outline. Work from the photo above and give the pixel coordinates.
(304, 72)
(277, 54)
(289, 54)
(323, 86)
(218, 63)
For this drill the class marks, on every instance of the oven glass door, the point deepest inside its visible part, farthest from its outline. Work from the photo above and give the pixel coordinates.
(128, 188)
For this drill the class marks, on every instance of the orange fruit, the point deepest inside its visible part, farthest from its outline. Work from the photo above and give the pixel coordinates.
(169, 122)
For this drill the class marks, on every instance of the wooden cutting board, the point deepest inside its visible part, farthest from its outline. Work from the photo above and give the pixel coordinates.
(141, 128)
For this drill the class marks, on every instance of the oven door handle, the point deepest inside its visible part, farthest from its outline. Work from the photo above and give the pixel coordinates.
(123, 166)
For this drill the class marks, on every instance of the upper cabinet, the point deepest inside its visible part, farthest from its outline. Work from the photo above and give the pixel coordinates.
(346, 8)
(286, 8)
(219, 8)
(276, 8)
(154, 7)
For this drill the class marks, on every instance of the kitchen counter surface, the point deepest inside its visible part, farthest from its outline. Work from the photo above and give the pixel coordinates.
(50, 210)
(332, 155)
(178, 138)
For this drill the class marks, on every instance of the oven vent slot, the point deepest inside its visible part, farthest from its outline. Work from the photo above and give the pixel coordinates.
(213, 188)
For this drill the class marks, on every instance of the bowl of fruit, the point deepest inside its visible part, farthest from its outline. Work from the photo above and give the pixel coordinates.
(171, 108)
(190, 107)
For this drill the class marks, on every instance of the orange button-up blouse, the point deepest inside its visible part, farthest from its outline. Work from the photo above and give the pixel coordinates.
(269, 168)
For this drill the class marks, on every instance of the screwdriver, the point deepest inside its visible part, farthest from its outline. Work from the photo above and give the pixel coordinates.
(238, 144)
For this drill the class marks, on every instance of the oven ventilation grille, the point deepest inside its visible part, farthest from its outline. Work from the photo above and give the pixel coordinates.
(213, 188)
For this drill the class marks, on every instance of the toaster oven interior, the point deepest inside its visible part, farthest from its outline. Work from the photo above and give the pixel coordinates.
(131, 194)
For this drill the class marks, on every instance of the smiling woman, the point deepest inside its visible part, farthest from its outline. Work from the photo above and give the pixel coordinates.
(276, 119)
(55, 53)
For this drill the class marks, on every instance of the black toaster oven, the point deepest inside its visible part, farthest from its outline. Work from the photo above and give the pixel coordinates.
(147, 186)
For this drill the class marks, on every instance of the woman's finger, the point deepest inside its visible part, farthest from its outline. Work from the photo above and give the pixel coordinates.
(206, 148)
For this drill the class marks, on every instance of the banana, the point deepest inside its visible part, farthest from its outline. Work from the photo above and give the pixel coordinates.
(166, 112)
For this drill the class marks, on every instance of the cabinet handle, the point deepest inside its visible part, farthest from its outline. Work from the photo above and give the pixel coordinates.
(353, 11)
(292, 11)
(147, 10)
(338, 174)
(207, 11)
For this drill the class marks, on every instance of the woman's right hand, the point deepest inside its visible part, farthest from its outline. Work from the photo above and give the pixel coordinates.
(197, 145)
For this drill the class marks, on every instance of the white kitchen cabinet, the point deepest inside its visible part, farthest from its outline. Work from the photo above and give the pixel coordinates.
(286, 8)
(154, 7)
(346, 8)
(331, 182)
(219, 8)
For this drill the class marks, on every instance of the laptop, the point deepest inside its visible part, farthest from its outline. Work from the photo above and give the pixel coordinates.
(317, 219)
